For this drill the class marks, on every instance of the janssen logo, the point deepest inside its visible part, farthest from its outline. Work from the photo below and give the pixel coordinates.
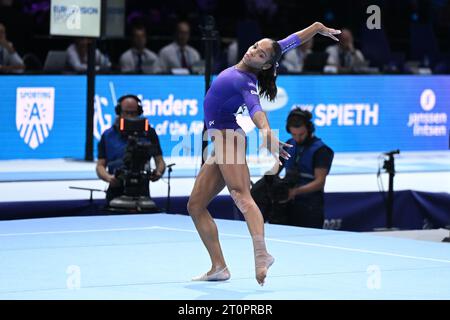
(428, 124)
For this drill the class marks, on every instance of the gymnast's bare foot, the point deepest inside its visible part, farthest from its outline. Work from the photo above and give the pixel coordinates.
(263, 264)
(215, 274)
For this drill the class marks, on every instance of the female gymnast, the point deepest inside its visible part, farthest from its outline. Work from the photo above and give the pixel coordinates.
(232, 89)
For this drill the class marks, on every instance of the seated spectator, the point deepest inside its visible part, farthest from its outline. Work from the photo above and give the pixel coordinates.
(139, 59)
(293, 60)
(77, 56)
(344, 56)
(10, 61)
(179, 54)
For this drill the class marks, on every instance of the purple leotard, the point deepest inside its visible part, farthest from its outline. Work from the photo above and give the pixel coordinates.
(231, 90)
(234, 88)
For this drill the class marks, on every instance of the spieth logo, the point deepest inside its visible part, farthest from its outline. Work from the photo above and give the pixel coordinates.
(34, 114)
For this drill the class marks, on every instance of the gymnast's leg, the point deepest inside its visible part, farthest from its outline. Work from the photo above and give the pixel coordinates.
(234, 169)
(208, 184)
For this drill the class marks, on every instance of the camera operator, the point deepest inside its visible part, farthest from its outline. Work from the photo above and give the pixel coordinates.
(303, 201)
(112, 148)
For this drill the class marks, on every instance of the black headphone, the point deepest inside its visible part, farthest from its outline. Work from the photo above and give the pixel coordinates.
(118, 107)
(297, 117)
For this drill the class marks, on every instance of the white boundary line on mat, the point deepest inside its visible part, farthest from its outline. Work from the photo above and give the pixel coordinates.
(302, 243)
(75, 231)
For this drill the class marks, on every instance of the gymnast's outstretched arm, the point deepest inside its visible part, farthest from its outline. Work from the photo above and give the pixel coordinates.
(302, 36)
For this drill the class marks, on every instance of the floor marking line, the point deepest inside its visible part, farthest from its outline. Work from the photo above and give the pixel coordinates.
(324, 246)
(235, 236)
(76, 231)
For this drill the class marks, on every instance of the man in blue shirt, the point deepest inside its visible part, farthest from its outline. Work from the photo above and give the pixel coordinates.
(112, 147)
(309, 164)
(311, 159)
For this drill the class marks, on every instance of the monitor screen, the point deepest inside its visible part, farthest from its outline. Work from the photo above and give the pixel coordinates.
(114, 21)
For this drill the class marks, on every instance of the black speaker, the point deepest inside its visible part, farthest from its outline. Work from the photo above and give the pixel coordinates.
(118, 108)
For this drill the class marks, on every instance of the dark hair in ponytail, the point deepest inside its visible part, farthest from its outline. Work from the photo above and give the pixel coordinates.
(267, 78)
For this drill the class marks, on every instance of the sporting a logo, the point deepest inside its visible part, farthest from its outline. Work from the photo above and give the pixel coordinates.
(34, 114)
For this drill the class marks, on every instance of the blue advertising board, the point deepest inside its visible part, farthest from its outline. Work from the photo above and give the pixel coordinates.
(42, 117)
(372, 113)
(173, 105)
